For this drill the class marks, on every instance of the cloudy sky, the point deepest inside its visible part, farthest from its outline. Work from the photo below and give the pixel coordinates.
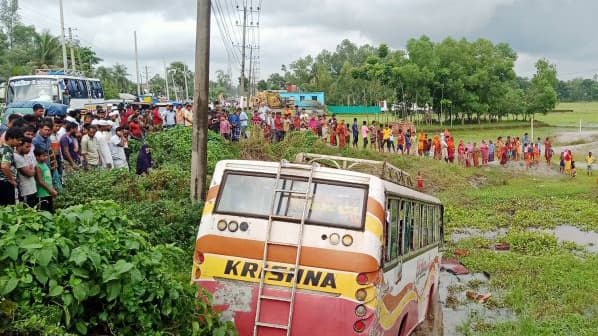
(561, 30)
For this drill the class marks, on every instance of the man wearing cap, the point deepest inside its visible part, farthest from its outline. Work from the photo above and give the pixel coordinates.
(115, 118)
(103, 135)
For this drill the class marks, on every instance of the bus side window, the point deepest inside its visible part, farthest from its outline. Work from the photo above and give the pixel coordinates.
(437, 223)
(410, 236)
(401, 227)
(391, 230)
(422, 226)
(432, 223)
(409, 215)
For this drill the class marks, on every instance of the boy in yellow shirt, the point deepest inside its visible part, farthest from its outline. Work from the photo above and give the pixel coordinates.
(589, 162)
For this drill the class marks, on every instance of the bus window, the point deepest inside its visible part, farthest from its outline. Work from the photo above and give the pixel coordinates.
(333, 205)
(431, 222)
(437, 223)
(423, 225)
(82, 89)
(392, 220)
(408, 211)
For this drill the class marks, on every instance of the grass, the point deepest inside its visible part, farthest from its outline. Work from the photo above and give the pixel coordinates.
(549, 286)
(586, 112)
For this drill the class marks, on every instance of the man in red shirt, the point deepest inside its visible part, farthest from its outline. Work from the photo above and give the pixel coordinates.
(135, 128)
(157, 119)
(279, 127)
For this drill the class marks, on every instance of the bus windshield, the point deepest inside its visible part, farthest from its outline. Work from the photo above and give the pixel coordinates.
(333, 204)
(33, 89)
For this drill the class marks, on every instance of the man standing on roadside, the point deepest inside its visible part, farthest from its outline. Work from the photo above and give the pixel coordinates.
(188, 115)
(244, 120)
(355, 131)
(8, 168)
(68, 147)
(90, 149)
(38, 112)
(26, 164)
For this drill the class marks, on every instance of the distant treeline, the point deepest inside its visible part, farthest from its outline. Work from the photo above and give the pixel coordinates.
(578, 89)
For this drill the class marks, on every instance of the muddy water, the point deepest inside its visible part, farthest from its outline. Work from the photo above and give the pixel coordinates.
(587, 239)
(458, 310)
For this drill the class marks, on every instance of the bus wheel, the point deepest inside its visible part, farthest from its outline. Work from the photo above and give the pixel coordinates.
(432, 325)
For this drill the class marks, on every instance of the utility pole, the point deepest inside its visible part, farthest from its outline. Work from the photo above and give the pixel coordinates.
(242, 86)
(176, 94)
(166, 79)
(186, 82)
(73, 63)
(64, 56)
(147, 87)
(137, 65)
(250, 71)
(199, 155)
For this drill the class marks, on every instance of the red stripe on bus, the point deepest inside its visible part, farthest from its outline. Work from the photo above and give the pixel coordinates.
(310, 256)
(376, 209)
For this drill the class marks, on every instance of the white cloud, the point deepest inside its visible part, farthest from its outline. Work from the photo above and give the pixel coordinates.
(292, 29)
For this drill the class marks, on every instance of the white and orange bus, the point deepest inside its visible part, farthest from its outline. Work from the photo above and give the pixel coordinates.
(353, 254)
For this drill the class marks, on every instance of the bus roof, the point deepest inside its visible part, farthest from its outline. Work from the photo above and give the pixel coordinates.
(325, 173)
(52, 77)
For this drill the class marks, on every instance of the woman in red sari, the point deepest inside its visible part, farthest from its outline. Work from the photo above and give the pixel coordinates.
(341, 131)
(451, 149)
(461, 153)
(484, 152)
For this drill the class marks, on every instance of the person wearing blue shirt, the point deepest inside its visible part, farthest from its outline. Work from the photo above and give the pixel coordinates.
(355, 131)
(235, 123)
(42, 139)
(244, 124)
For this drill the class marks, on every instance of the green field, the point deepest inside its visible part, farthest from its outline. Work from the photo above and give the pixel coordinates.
(586, 112)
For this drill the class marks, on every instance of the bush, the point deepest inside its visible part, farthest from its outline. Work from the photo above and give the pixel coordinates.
(174, 146)
(91, 271)
(158, 203)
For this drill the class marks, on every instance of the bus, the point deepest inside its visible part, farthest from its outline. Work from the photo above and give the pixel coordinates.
(320, 247)
(54, 87)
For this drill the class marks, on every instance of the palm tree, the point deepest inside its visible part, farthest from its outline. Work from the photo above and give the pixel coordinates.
(119, 73)
(47, 50)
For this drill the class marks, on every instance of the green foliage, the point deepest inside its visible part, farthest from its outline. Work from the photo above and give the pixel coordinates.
(158, 203)
(174, 147)
(101, 275)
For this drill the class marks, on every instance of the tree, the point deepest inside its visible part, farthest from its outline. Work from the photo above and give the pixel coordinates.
(157, 85)
(88, 59)
(9, 18)
(47, 50)
(542, 96)
(176, 73)
(119, 76)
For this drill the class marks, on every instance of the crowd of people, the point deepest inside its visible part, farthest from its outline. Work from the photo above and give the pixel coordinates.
(37, 151)
(273, 126)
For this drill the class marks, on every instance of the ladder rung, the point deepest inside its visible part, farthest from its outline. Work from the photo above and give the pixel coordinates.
(275, 270)
(298, 192)
(283, 244)
(275, 298)
(271, 325)
(284, 218)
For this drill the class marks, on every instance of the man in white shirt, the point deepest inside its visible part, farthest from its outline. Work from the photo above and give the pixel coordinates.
(90, 148)
(26, 164)
(169, 117)
(104, 134)
(244, 121)
(263, 111)
(117, 148)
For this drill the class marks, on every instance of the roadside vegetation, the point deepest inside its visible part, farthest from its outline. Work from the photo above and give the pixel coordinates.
(142, 230)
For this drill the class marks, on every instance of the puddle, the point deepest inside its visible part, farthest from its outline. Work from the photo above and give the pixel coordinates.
(563, 233)
(457, 309)
(460, 234)
(568, 233)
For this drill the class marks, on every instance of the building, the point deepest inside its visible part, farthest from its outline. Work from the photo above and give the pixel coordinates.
(305, 100)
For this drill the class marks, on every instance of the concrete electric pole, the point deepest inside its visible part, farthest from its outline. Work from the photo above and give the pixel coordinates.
(64, 56)
(199, 155)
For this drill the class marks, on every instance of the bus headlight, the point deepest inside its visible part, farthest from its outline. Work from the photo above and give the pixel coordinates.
(347, 240)
(361, 294)
(335, 239)
(233, 226)
(360, 311)
(244, 226)
(221, 225)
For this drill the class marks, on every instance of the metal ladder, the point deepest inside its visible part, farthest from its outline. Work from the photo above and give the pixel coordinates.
(306, 195)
